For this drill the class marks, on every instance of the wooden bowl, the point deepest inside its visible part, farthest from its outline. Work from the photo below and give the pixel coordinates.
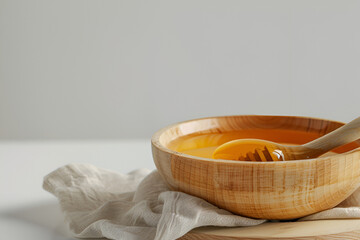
(269, 190)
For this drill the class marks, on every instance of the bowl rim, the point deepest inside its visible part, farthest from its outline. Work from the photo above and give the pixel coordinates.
(155, 140)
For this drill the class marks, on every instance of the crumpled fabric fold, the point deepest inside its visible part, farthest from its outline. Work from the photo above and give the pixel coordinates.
(98, 203)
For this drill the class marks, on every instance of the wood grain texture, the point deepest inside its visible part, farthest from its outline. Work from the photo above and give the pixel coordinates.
(321, 229)
(270, 190)
(343, 135)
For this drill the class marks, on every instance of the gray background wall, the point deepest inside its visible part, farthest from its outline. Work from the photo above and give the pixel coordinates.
(124, 69)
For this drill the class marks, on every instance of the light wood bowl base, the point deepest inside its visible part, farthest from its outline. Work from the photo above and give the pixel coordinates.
(320, 229)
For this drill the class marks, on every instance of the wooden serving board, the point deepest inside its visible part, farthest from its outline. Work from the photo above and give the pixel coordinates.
(320, 229)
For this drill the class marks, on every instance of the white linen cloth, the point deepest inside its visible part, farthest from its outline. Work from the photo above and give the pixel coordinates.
(99, 203)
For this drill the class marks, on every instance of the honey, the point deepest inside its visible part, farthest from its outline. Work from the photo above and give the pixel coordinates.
(204, 145)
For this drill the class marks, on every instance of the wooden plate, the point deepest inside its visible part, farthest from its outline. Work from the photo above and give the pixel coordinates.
(320, 229)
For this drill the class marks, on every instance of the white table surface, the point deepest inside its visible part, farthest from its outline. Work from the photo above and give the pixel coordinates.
(29, 212)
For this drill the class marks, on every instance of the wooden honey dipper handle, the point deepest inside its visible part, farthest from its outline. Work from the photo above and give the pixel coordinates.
(341, 136)
(261, 150)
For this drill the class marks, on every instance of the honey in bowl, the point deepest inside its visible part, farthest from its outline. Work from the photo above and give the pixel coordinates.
(204, 145)
(266, 190)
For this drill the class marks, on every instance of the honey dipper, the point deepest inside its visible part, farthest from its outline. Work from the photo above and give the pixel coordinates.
(263, 151)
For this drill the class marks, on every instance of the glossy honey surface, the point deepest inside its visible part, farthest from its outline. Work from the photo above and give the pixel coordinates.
(203, 145)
